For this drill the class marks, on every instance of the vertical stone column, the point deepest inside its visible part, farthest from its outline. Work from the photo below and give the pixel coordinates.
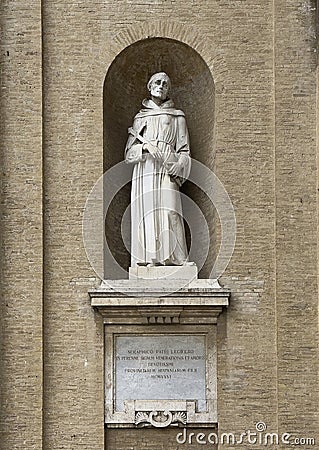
(21, 225)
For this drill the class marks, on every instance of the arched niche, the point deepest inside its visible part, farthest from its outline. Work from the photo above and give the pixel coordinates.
(192, 91)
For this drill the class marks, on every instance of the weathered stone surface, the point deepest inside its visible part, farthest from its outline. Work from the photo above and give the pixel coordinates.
(157, 367)
(261, 117)
(164, 273)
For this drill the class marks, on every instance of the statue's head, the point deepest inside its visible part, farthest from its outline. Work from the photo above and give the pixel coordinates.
(159, 85)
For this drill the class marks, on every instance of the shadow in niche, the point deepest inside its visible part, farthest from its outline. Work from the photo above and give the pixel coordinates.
(192, 91)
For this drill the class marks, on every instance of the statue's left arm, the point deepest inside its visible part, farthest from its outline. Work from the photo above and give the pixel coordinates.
(182, 150)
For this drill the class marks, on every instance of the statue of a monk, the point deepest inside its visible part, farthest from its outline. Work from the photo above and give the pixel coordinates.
(158, 145)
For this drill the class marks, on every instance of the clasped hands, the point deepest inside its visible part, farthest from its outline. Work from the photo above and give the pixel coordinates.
(173, 169)
(152, 148)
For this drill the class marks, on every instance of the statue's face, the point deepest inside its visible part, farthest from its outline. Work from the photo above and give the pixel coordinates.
(159, 87)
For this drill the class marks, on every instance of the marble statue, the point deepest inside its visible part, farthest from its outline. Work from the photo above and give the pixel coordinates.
(158, 146)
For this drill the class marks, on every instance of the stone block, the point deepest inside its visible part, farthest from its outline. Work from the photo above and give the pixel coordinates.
(187, 272)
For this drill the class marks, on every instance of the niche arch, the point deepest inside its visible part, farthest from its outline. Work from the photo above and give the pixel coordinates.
(193, 91)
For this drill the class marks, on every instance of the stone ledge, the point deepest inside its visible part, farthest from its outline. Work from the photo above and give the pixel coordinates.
(137, 302)
(160, 288)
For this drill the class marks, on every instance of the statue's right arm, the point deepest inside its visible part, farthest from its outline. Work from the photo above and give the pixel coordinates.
(134, 148)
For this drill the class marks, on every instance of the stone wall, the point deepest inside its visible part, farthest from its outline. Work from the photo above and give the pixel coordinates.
(55, 57)
(21, 230)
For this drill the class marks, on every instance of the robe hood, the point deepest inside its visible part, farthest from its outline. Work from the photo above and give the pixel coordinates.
(149, 104)
(152, 109)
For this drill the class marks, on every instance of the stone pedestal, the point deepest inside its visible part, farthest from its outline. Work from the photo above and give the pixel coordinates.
(187, 272)
(160, 350)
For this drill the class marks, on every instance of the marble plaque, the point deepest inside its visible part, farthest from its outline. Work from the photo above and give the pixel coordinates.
(160, 367)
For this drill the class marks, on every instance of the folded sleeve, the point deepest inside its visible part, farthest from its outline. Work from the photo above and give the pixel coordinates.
(183, 149)
(134, 148)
